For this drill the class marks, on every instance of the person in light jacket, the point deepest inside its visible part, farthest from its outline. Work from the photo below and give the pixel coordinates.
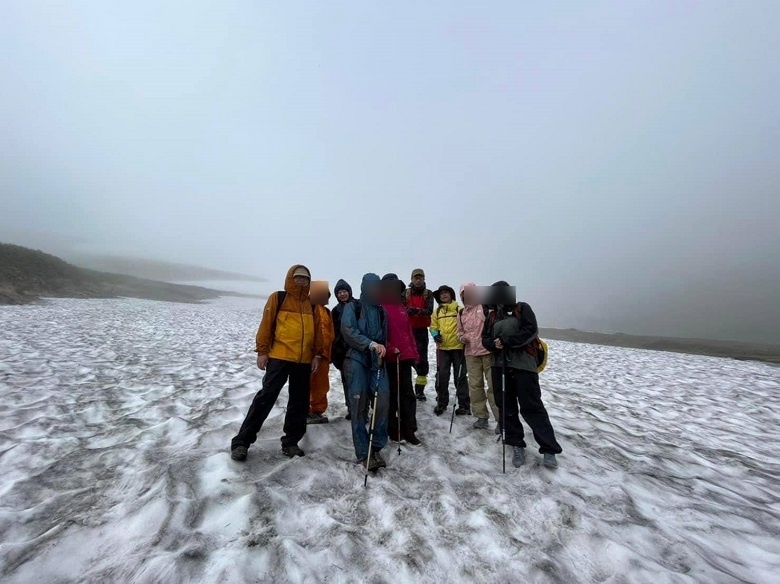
(479, 360)
(449, 353)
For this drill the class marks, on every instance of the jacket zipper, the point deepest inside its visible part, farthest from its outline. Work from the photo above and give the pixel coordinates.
(303, 327)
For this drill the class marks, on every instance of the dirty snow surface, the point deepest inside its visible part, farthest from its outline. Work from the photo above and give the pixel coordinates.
(116, 416)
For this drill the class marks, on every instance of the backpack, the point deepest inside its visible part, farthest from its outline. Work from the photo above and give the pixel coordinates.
(539, 348)
(541, 355)
(339, 348)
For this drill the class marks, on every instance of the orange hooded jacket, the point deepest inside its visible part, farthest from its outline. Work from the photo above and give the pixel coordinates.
(327, 331)
(296, 333)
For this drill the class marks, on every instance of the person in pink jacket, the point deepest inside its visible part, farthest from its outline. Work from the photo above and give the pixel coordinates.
(401, 357)
(471, 321)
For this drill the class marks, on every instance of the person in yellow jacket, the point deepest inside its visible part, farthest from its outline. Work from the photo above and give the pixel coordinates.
(449, 353)
(289, 346)
(320, 379)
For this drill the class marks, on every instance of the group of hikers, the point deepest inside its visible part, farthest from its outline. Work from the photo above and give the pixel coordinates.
(490, 346)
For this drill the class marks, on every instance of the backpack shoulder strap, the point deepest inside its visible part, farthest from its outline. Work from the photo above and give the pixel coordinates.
(280, 296)
(358, 306)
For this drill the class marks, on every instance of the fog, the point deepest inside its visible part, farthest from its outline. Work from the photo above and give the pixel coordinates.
(618, 162)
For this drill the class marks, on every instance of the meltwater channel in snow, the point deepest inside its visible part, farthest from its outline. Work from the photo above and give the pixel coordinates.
(116, 418)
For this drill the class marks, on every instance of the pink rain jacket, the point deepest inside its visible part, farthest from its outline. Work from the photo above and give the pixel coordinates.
(470, 324)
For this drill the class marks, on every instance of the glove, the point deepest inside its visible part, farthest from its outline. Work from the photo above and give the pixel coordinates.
(412, 311)
(438, 339)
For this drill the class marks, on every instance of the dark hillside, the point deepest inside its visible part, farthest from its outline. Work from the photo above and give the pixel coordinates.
(27, 275)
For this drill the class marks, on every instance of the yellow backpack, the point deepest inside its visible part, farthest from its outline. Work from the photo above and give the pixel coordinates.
(541, 355)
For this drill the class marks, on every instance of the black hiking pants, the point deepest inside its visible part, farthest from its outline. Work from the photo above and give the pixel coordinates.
(401, 388)
(522, 389)
(276, 375)
(454, 359)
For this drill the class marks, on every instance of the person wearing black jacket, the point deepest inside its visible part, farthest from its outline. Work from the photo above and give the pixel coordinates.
(511, 335)
(343, 293)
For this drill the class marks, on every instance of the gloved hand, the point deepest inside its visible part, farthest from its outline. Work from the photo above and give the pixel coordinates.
(438, 339)
(411, 311)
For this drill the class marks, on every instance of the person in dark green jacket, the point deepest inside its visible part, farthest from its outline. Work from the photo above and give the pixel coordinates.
(511, 335)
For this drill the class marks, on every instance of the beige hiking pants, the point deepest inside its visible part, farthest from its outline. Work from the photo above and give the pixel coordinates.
(479, 370)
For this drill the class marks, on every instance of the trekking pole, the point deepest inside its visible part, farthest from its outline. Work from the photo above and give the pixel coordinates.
(503, 411)
(398, 395)
(452, 419)
(373, 421)
(457, 376)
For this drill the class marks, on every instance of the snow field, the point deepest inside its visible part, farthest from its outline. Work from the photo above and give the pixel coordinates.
(116, 418)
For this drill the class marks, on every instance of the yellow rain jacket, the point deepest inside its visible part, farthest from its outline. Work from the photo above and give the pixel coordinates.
(445, 321)
(292, 332)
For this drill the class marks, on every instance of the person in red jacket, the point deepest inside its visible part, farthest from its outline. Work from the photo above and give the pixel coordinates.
(401, 356)
(418, 301)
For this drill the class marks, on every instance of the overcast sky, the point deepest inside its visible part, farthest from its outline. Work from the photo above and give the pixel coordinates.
(618, 161)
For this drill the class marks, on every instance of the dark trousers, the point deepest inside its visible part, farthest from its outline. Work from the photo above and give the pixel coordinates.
(421, 340)
(522, 389)
(344, 384)
(276, 375)
(454, 359)
(401, 388)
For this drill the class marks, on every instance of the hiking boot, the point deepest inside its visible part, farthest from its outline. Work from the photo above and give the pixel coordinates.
(480, 424)
(376, 461)
(317, 419)
(439, 410)
(412, 439)
(461, 411)
(419, 392)
(498, 429)
(292, 451)
(550, 461)
(518, 457)
(239, 453)
(392, 435)
(348, 416)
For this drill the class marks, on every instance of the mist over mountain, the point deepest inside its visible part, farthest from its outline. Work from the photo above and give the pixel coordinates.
(156, 269)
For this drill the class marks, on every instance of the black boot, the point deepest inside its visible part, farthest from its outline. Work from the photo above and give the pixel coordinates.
(292, 451)
(419, 392)
(376, 461)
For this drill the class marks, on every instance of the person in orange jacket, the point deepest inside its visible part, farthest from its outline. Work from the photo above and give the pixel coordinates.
(320, 379)
(289, 346)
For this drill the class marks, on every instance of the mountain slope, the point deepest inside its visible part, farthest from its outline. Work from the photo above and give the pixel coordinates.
(27, 275)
